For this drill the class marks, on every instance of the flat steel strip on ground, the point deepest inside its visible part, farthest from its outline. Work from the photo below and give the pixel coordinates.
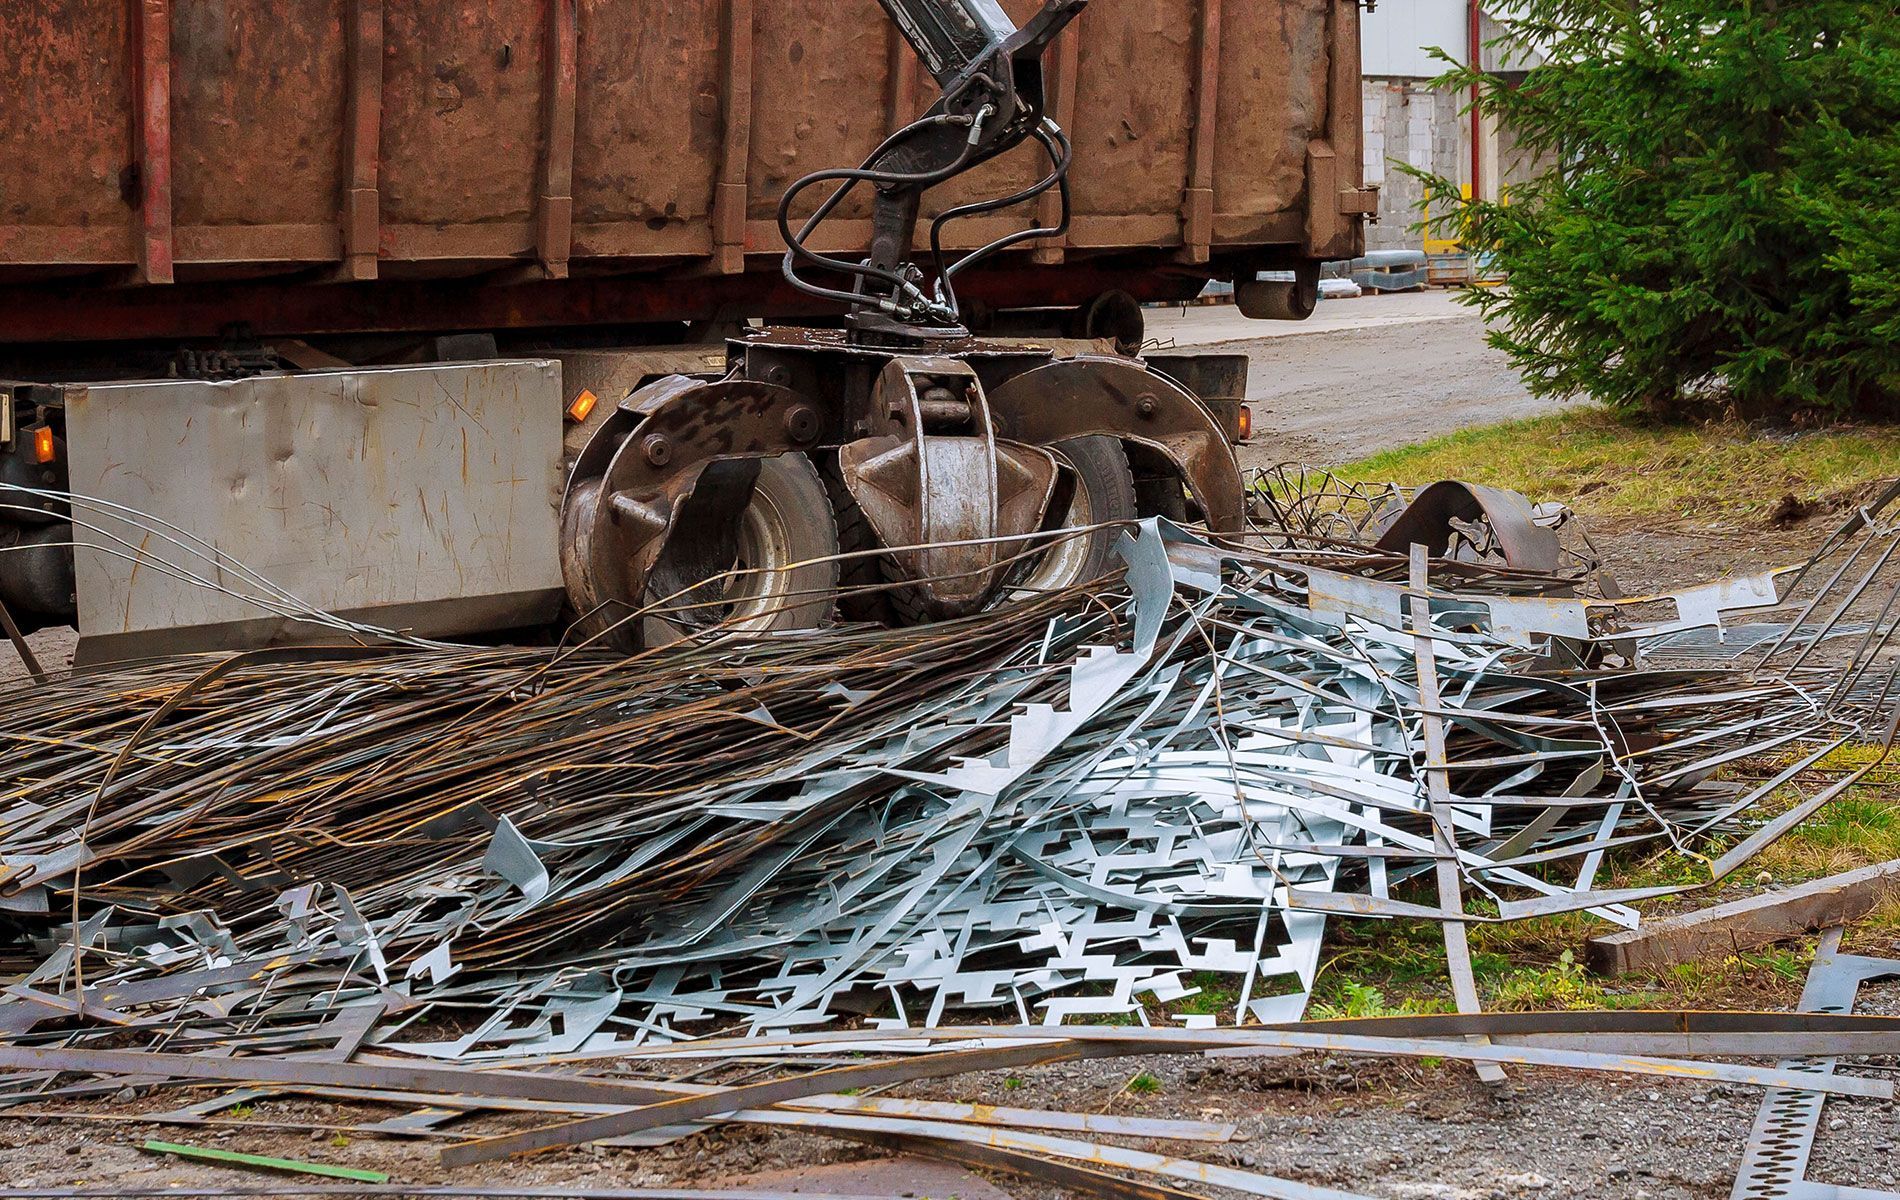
(689, 1108)
(1775, 1164)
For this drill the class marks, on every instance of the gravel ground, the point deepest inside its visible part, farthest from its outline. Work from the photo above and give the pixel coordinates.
(1385, 1129)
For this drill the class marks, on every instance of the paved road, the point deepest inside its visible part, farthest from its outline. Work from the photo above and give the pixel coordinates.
(1211, 324)
(1360, 375)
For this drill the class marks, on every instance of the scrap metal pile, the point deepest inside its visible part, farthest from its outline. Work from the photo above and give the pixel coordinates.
(1068, 808)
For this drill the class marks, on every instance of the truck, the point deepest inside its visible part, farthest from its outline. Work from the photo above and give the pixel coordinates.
(464, 316)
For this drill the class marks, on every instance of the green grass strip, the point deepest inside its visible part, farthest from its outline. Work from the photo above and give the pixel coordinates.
(1622, 467)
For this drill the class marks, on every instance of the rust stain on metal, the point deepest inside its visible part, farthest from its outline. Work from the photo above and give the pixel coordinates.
(417, 139)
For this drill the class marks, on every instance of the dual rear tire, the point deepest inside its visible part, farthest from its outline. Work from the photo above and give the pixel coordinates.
(786, 573)
(1104, 492)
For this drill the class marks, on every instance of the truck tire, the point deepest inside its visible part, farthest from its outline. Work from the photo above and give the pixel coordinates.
(1105, 491)
(1114, 315)
(1280, 299)
(787, 539)
(862, 595)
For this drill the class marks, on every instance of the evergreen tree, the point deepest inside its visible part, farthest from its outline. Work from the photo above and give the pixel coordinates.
(1718, 223)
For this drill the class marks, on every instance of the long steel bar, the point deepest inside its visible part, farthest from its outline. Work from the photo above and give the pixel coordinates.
(1464, 983)
(680, 1109)
(1420, 1025)
(1166, 1041)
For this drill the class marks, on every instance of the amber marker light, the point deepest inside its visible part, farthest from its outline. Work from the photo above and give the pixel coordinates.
(44, 451)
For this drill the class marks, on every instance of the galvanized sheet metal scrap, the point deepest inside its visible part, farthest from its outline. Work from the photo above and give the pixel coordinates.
(1062, 808)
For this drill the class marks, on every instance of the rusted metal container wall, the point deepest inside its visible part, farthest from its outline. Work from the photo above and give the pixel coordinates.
(296, 144)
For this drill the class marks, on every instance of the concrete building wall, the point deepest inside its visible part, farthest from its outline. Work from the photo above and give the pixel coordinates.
(1408, 122)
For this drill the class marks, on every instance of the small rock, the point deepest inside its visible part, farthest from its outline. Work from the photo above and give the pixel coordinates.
(1619, 1171)
(1764, 879)
(316, 1135)
(75, 1148)
(1836, 1125)
(125, 1095)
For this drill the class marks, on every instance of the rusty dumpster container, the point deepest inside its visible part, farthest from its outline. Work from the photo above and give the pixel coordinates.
(175, 168)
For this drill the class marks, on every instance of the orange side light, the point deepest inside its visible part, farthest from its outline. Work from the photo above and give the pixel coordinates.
(583, 404)
(1243, 424)
(44, 451)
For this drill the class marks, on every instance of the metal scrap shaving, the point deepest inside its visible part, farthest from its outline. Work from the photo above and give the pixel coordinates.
(1065, 808)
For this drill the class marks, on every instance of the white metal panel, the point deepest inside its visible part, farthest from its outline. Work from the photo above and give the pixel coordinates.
(414, 497)
(1397, 36)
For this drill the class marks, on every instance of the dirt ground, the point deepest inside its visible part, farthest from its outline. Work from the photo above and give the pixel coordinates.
(1391, 1130)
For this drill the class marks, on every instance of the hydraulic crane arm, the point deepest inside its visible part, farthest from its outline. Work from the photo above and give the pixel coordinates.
(955, 455)
(990, 72)
(956, 37)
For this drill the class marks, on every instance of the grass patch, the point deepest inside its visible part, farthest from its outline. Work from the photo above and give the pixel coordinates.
(1564, 984)
(1144, 1084)
(1352, 999)
(1858, 828)
(1879, 928)
(1769, 977)
(1217, 996)
(1624, 467)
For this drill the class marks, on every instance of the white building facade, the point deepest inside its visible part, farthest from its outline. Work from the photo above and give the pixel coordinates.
(1409, 121)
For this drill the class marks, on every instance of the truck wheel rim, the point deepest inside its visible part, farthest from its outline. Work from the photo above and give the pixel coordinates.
(760, 587)
(1065, 563)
